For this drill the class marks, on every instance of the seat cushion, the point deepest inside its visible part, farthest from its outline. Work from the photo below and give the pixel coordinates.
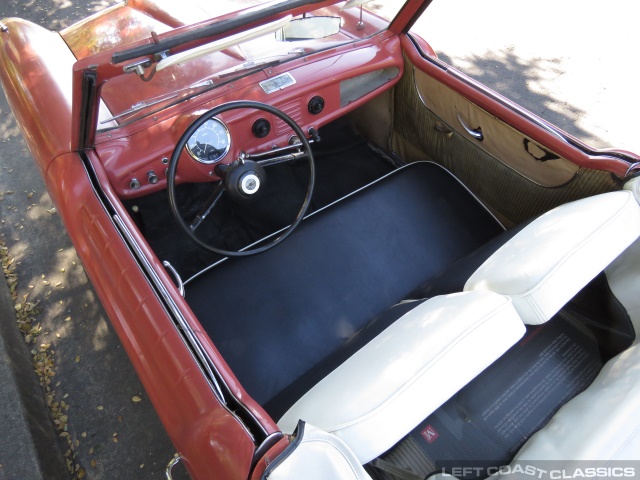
(315, 455)
(278, 405)
(401, 376)
(551, 259)
(623, 276)
(276, 315)
(602, 423)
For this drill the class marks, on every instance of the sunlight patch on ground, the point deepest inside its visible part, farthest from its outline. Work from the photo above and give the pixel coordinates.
(44, 361)
(559, 69)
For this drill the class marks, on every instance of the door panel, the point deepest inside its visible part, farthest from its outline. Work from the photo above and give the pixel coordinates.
(502, 170)
(498, 139)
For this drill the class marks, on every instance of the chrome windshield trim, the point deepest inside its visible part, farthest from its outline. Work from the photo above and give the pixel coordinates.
(216, 27)
(184, 325)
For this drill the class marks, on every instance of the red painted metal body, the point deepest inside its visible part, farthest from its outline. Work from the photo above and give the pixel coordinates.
(212, 440)
(45, 95)
(37, 88)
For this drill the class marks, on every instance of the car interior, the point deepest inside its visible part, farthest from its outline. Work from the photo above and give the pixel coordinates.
(383, 237)
(365, 251)
(445, 297)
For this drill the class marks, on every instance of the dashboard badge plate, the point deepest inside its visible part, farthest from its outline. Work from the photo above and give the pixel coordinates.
(277, 83)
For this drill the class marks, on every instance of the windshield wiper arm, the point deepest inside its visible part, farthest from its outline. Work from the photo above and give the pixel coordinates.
(154, 101)
(215, 28)
(249, 67)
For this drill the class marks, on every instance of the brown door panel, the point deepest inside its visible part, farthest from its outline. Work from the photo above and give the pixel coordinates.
(498, 139)
(512, 174)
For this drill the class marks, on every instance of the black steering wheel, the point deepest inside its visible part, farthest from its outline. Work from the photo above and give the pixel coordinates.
(241, 180)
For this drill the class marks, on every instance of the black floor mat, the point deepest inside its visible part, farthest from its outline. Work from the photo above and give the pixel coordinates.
(487, 422)
(277, 317)
(344, 162)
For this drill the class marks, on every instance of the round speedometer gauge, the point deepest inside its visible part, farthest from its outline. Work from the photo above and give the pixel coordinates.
(210, 142)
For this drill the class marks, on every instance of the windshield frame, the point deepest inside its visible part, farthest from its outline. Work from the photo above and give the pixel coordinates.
(210, 29)
(91, 73)
(154, 108)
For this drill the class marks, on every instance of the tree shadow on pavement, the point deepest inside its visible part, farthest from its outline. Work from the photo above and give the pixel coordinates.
(525, 82)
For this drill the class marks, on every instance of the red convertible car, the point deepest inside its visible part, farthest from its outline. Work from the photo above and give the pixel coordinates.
(331, 255)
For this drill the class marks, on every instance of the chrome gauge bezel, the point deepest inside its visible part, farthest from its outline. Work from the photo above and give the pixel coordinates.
(228, 139)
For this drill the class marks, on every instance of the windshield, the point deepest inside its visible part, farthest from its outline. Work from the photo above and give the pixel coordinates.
(151, 88)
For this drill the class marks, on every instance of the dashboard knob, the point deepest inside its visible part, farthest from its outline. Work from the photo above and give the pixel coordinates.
(261, 128)
(316, 105)
(152, 177)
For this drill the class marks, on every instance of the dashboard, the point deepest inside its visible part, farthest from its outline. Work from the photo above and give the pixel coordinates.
(313, 91)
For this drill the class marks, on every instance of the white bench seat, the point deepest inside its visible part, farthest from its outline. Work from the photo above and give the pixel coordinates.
(545, 264)
(389, 386)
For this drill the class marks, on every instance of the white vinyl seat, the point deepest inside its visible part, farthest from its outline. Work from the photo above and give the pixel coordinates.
(541, 268)
(386, 388)
(550, 260)
(599, 426)
(601, 423)
(389, 386)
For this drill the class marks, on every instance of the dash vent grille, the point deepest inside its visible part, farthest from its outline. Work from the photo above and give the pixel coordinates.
(292, 109)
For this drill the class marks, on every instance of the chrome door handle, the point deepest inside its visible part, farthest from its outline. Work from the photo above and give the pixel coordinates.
(172, 463)
(475, 133)
(176, 276)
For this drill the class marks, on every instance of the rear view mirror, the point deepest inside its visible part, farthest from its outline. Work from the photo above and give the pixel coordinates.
(309, 28)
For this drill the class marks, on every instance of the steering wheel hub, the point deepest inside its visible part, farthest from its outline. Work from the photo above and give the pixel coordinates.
(250, 183)
(242, 179)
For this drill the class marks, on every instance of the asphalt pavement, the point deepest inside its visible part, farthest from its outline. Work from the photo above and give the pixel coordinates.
(103, 425)
(106, 427)
(572, 62)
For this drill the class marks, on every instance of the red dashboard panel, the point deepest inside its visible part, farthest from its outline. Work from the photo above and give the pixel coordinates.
(344, 78)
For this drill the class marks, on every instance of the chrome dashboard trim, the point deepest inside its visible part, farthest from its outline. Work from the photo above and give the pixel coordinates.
(277, 83)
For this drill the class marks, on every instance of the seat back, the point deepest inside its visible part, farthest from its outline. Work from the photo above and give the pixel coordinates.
(391, 384)
(550, 260)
